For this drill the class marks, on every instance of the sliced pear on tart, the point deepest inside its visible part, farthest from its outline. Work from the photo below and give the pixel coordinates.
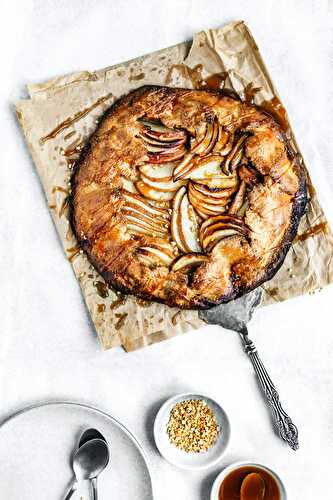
(163, 185)
(224, 218)
(218, 182)
(142, 221)
(139, 229)
(207, 208)
(140, 201)
(134, 212)
(204, 145)
(183, 166)
(222, 139)
(162, 133)
(210, 241)
(153, 194)
(159, 255)
(206, 197)
(188, 226)
(201, 168)
(189, 261)
(221, 223)
(227, 146)
(167, 155)
(216, 193)
(175, 219)
(157, 173)
(235, 156)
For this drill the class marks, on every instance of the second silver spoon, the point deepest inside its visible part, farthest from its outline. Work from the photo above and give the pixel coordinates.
(88, 462)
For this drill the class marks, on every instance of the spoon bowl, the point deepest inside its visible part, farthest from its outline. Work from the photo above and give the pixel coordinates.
(90, 434)
(90, 459)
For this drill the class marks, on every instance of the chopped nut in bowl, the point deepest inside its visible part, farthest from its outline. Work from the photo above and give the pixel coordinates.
(191, 431)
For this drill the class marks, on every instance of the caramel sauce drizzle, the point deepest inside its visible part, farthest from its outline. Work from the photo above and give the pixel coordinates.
(277, 111)
(102, 289)
(74, 148)
(100, 308)
(135, 78)
(59, 188)
(74, 252)
(121, 320)
(313, 231)
(142, 302)
(119, 302)
(249, 93)
(70, 134)
(216, 81)
(63, 207)
(69, 121)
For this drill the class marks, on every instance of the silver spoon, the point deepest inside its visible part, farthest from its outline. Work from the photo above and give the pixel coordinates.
(234, 316)
(87, 436)
(88, 462)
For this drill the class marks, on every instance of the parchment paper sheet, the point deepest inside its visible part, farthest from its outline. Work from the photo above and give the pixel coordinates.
(62, 113)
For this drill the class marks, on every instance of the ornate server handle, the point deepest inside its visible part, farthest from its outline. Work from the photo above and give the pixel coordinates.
(286, 428)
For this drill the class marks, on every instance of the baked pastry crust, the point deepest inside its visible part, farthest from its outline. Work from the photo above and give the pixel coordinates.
(186, 197)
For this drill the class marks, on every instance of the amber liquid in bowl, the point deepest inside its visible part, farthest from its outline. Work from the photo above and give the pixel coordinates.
(231, 485)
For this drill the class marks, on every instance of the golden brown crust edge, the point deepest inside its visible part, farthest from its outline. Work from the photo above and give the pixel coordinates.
(174, 291)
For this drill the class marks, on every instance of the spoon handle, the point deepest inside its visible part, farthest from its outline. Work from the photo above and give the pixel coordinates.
(94, 488)
(286, 428)
(71, 491)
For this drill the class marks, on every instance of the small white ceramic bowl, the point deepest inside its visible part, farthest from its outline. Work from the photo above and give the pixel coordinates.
(179, 458)
(218, 481)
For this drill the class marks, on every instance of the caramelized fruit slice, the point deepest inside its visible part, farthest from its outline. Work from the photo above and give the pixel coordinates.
(163, 185)
(235, 156)
(210, 241)
(153, 194)
(188, 261)
(209, 166)
(175, 222)
(154, 253)
(188, 226)
(157, 173)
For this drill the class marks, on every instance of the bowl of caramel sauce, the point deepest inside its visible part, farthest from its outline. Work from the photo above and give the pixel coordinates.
(248, 481)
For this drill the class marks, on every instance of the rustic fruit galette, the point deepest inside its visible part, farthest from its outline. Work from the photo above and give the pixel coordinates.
(187, 197)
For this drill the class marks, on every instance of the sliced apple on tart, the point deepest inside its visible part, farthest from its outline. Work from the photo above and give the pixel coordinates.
(202, 205)
(189, 261)
(159, 132)
(155, 256)
(224, 142)
(157, 173)
(143, 218)
(184, 223)
(216, 228)
(153, 194)
(235, 156)
(200, 168)
(162, 143)
(204, 143)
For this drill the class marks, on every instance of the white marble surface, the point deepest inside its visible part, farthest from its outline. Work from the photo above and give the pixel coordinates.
(48, 349)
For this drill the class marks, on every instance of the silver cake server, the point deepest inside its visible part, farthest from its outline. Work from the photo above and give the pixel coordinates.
(235, 316)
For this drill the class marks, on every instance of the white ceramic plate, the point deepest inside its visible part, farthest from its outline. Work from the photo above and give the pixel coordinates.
(36, 445)
(218, 481)
(179, 458)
